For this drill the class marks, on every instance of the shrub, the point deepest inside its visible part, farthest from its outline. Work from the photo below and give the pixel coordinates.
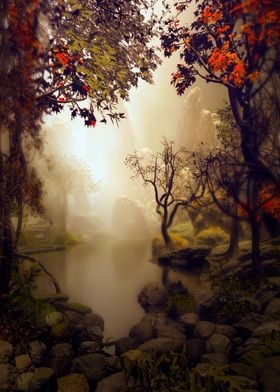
(212, 236)
(159, 247)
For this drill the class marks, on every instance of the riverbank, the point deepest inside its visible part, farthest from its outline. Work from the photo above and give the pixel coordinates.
(230, 339)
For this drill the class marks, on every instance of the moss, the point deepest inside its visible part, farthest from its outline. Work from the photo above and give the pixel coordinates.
(212, 236)
(184, 230)
(177, 242)
(180, 303)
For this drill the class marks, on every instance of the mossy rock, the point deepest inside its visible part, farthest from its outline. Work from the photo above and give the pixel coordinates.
(60, 330)
(180, 303)
(177, 242)
(73, 382)
(212, 236)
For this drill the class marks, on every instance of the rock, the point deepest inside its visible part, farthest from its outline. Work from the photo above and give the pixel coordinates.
(204, 329)
(24, 382)
(224, 329)
(93, 320)
(89, 347)
(23, 362)
(245, 382)
(115, 383)
(152, 297)
(95, 333)
(267, 328)
(268, 374)
(242, 369)
(273, 308)
(161, 345)
(61, 330)
(248, 324)
(91, 365)
(53, 318)
(203, 369)
(195, 348)
(73, 317)
(8, 374)
(189, 258)
(189, 320)
(275, 281)
(142, 331)
(215, 359)
(82, 309)
(53, 298)
(218, 344)
(60, 358)
(112, 364)
(73, 382)
(37, 351)
(6, 351)
(168, 329)
(125, 344)
(42, 379)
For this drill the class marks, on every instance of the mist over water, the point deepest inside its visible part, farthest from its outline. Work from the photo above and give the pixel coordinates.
(117, 217)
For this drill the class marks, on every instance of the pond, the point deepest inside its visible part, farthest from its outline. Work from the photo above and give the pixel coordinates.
(107, 275)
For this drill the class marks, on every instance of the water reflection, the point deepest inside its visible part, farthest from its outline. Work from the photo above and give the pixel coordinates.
(108, 275)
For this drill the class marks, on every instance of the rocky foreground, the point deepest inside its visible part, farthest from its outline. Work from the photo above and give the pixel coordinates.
(69, 354)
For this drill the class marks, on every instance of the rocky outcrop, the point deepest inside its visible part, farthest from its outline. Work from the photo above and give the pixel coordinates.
(193, 259)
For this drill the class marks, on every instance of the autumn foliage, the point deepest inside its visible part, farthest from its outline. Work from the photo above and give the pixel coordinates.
(227, 42)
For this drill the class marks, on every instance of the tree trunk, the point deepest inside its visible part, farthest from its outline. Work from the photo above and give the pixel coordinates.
(256, 261)
(165, 234)
(234, 239)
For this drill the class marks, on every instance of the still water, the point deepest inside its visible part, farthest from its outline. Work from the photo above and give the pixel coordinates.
(107, 275)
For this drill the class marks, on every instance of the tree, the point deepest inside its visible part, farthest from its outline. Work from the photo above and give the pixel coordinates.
(43, 73)
(233, 43)
(228, 180)
(165, 171)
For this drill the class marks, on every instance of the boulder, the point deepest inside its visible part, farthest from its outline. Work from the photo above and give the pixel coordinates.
(91, 365)
(273, 308)
(214, 359)
(243, 369)
(169, 329)
(189, 320)
(248, 324)
(267, 328)
(73, 306)
(218, 344)
(161, 345)
(268, 374)
(73, 317)
(37, 351)
(89, 347)
(60, 358)
(125, 344)
(112, 364)
(73, 382)
(6, 351)
(142, 331)
(190, 258)
(42, 379)
(53, 318)
(93, 320)
(152, 297)
(23, 362)
(245, 382)
(8, 375)
(224, 329)
(204, 329)
(115, 383)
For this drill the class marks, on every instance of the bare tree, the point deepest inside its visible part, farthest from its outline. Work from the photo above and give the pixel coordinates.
(173, 184)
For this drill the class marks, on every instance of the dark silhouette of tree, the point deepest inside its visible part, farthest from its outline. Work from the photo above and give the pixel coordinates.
(168, 174)
(56, 54)
(233, 43)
